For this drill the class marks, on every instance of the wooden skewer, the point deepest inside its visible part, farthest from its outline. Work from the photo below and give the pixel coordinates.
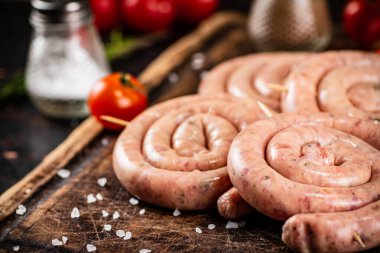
(265, 109)
(277, 87)
(114, 120)
(359, 239)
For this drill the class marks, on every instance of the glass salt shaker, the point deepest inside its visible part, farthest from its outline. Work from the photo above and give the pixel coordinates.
(65, 57)
(289, 25)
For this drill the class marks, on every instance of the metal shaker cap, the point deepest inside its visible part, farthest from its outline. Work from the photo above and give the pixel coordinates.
(70, 12)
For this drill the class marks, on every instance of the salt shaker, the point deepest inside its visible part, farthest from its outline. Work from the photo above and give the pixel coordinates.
(65, 57)
(289, 25)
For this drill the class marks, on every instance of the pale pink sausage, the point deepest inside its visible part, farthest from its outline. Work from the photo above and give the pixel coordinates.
(309, 163)
(308, 84)
(155, 159)
(232, 206)
(247, 76)
(334, 232)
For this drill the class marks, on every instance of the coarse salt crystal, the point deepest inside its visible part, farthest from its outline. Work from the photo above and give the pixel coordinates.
(107, 227)
(211, 226)
(63, 173)
(198, 230)
(75, 213)
(56, 242)
(102, 181)
(91, 198)
(99, 196)
(145, 251)
(198, 61)
(128, 236)
(142, 211)
(21, 210)
(64, 239)
(232, 225)
(176, 212)
(133, 201)
(105, 213)
(16, 248)
(115, 215)
(104, 141)
(120, 233)
(90, 247)
(27, 191)
(173, 78)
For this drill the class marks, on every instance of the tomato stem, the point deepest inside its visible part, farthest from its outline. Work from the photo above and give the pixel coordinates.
(126, 81)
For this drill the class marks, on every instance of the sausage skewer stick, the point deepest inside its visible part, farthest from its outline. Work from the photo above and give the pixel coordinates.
(359, 239)
(266, 110)
(277, 87)
(114, 120)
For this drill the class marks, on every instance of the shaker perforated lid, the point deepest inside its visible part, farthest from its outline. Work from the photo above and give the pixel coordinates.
(59, 12)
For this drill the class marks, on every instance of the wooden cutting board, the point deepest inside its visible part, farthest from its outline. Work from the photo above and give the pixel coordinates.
(86, 153)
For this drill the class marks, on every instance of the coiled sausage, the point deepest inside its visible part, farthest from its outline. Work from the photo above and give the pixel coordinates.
(248, 76)
(174, 154)
(346, 82)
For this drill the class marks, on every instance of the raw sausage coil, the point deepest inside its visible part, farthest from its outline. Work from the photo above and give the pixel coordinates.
(317, 167)
(174, 154)
(248, 76)
(346, 82)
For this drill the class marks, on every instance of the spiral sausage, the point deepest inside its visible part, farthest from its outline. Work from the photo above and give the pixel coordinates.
(175, 153)
(346, 82)
(247, 76)
(304, 164)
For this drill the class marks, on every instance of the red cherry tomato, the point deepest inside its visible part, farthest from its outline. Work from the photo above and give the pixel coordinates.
(193, 11)
(106, 14)
(361, 21)
(117, 95)
(148, 15)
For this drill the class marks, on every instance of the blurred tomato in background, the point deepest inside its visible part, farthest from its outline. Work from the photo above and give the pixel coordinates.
(106, 14)
(361, 20)
(149, 15)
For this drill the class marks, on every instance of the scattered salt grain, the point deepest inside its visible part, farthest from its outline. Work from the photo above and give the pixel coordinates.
(90, 247)
(107, 227)
(99, 196)
(120, 233)
(128, 236)
(198, 61)
(75, 213)
(115, 215)
(176, 213)
(64, 239)
(104, 141)
(145, 251)
(102, 181)
(142, 211)
(16, 248)
(63, 173)
(133, 201)
(105, 213)
(198, 230)
(173, 77)
(211, 226)
(91, 198)
(27, 191)
(241, 224)
(232, 225)
(21, 210)
(56, 242)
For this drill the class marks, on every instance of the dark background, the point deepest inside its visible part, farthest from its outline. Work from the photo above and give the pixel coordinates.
(27, 134)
